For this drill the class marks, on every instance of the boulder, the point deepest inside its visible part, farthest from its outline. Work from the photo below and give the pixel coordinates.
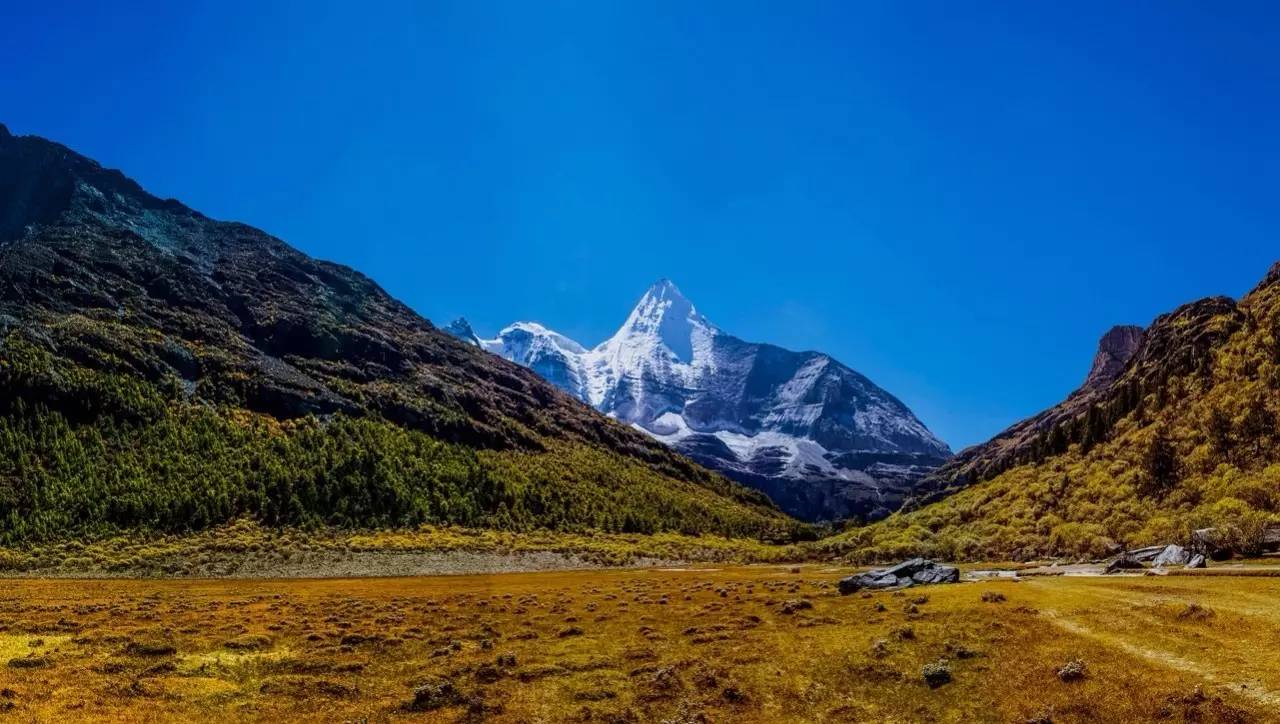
(870, 579)
(1172, 555)
(937, 574)
(885, 582)
(908, 568)
(1148, 554)
(916, 571)
(1196, 561)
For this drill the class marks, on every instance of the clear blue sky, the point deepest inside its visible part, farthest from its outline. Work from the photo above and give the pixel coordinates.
(956, 199)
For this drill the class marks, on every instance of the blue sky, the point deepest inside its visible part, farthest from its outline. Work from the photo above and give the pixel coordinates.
(956, 199)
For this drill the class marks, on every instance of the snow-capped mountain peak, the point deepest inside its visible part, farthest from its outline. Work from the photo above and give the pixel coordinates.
(540, 335)
(664, 317)
(820, 438)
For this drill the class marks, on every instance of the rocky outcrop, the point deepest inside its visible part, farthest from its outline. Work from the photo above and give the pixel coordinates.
(1115, 349)
(916, 571)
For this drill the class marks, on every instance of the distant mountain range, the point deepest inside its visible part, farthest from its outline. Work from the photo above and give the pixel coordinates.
(823, 441)
(165, 371)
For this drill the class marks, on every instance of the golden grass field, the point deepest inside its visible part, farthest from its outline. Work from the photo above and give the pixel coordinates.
(749, 643)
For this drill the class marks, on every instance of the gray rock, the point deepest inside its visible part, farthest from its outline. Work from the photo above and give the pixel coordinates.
(916, 571)
(870, 579)
(908, 568)
(883, 582)
(852, 584)
(1196, 561)
(1115, 349)
(1172, 555)
(937, 574)
(1145, 555)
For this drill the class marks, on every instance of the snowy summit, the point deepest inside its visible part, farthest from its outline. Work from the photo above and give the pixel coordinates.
(822, 440)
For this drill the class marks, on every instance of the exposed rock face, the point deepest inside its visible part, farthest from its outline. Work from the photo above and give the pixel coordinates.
(1115, 349)
(1272, 277)
(821, 440)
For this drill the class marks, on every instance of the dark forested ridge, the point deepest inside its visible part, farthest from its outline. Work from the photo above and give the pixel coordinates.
(161, 370)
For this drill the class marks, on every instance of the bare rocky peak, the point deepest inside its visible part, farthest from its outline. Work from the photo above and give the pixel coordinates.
(1115, 349)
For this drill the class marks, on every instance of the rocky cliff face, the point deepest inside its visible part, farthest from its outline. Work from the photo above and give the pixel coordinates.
(822, 440)
(1115, 349)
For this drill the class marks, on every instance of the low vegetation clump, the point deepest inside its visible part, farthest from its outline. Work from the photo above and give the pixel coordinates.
(1071, 671)
(937, 673)
(1195, 612)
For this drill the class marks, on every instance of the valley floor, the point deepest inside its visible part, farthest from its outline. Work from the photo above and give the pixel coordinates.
(764, 643)
(244, 549)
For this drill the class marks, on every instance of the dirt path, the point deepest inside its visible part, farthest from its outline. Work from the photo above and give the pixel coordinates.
(1217, 664)
(1250, 690)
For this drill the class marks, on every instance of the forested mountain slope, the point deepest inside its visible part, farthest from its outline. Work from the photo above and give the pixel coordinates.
(165, 371)
(1181, 434)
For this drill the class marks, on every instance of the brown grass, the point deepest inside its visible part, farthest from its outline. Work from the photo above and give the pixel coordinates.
(640, 646)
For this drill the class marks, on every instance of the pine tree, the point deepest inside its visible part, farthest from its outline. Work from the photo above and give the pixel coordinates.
(1160, 464)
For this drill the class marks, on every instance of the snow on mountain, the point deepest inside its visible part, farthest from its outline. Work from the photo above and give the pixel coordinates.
(554, 356)
(461, 329)
(821, 439)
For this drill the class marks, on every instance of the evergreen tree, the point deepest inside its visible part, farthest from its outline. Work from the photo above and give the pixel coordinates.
(1160, 463)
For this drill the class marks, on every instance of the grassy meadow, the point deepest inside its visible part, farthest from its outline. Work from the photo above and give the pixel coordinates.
(762, 643)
